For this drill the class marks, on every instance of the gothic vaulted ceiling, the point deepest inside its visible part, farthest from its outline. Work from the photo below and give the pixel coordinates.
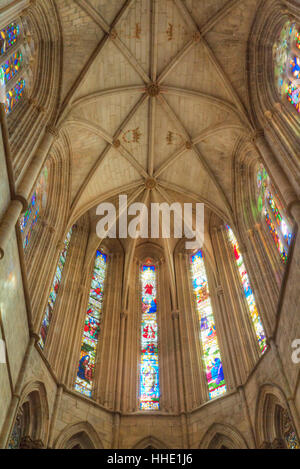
(154, 93)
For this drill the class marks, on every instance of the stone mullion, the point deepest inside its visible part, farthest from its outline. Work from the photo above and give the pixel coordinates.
(79, 324)
(229, 345)
(216, 292)
(134, 324)
(272, 264)
(58, 344)
(273, 254)
(28, 141)
(183, 332)
(258, 280)
(249, 327)
(266, 278)
(127, 355)
(104, 338)
(259, 298)
(241, 318)
(38, 267)
(39, 303)
(198, 374)
(85, 293)
(101, 371)
(112, 355)
(161, 285)
(164, 340)
(231, 324)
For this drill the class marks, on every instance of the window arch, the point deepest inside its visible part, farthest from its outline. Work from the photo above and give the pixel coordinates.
(210, 347)
(36, 207)
(272, 213)
(249, 295)
(286, 55)
(54, 291)
(149, 392)
(15, 70)
(86, 366)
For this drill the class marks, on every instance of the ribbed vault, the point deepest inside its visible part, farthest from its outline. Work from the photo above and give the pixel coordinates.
(147, 96)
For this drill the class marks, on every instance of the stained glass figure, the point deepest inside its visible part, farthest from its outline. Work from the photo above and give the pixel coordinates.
(10, 67)
(9, 37)
(211, 354)
(54, 291)
(14, 95)
(287, 64)
(252, 308)
(17, 433)
(149, 368)
(86, 366)
(278, 224)
(36, 206)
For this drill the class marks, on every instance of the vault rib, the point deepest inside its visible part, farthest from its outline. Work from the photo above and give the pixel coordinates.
(126, 5)
(94, 14)
(154, 45)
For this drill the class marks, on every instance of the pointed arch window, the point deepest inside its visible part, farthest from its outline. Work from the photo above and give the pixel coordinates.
(286, 55)
(15, 70)
(35, 209)
(149, 364)
(277, 223)
(249, 295)
(54, 291)
(208, 335)
(86, 366)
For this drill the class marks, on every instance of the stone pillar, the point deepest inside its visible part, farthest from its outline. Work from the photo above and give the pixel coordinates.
(8, 423)
(120, 361)
(58, 397)
(180, 380)
(278, 175)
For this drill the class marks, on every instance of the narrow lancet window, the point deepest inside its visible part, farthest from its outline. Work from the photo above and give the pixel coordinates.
(149, 367)
(35, 209)
(210, 347)
(252, 308)
(86, 366)
(276, 221)
(54, 291)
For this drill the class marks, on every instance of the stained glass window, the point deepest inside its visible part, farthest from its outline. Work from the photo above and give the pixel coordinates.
(86, 366)
(17, 432)
(10, 67)
(149, 368)
(210, 347)
(254, 316)
(14, 95)
(278, 224)
(54, 291)
(8, 37)
(36, 206)
(286, 54)
(289, 432)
